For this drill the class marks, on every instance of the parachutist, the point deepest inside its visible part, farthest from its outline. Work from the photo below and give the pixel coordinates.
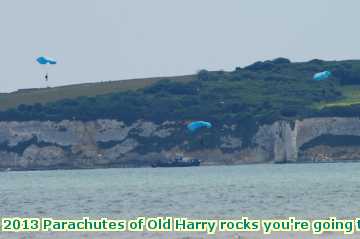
(46, 62)
(197, 125)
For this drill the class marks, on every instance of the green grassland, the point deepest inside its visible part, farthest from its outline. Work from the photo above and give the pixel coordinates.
(46, 95)
(351, 96)
(259, 93)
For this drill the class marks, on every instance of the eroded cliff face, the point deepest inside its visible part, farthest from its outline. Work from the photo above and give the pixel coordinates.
(111, 143)
(74, 144)
(284, 141)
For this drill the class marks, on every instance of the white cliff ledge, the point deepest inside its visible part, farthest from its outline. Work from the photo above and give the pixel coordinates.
(111, 143)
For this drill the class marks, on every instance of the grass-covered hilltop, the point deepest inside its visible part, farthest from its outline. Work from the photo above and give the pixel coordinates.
(259, 93)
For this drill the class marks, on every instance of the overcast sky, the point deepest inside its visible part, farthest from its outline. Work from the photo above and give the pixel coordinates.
(102, 40)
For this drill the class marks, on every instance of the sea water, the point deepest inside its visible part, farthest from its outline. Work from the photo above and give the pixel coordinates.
(220, 192)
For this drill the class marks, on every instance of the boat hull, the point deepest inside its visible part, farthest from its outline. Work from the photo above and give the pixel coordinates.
(193, 163)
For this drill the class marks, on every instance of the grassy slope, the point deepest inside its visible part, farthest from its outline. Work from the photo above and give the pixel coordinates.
(351, 96)
(253, 91)
(32, 96)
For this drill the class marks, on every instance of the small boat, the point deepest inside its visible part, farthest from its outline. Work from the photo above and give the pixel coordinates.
(177, 162)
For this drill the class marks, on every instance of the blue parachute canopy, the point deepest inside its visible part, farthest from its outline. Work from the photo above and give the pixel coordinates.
(42, 60)
(193, 126)
(322, 75)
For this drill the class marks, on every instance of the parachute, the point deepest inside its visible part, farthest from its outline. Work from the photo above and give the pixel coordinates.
(42, 60)
(322, 75)
(194, 126)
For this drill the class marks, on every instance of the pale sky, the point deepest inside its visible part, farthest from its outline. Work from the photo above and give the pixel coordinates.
(102, 40)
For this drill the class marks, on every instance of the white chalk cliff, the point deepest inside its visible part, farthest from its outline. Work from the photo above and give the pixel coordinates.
(111, 143)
